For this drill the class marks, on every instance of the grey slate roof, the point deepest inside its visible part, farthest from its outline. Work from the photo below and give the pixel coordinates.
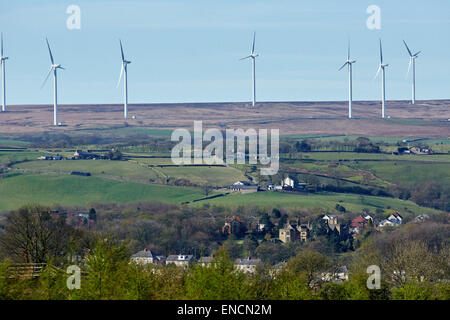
(144, 254)
(174, 257)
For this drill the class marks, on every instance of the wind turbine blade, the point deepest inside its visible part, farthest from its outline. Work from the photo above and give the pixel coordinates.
(120, 77)
(46, 78)
(121, 50)
(343, 66)
(49, 51)
(348, 52)
(1, 52)
(245, 57)
(409, 67)
(378, 71)
(409, 51)
(253, 46)
(417, 53)
(381, 53)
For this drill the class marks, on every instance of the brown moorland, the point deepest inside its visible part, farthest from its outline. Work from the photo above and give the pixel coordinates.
(424, 119)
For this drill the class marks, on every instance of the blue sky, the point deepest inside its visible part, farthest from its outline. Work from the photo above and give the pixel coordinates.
(188, 51)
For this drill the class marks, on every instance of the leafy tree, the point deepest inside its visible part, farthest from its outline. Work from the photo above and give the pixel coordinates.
(310, 262)
(268, 225)
(105, 266)
(34, 235)
(217, 281)
(250, 245)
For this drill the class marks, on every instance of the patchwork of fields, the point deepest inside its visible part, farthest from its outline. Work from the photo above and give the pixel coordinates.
(146, 175)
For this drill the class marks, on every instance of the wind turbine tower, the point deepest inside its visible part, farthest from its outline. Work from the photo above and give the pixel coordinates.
(349, 63)
(53, 68)
(3, 62)
(253, 56)
(124, 71)
(412, 61)
(382, 67)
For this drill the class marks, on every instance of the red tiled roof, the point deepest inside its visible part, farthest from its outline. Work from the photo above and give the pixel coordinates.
(358, 222)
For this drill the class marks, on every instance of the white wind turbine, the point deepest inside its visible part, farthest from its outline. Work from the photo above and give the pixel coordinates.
(53, 67)
(382, 67)
(412, 61)
(123, 70)
(253, 56)
(349, 64)
(3, 62)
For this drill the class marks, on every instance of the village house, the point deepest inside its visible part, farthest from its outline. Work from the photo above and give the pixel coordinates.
(393, 220)
(293, 232)
(333, 224)
(288, 233)
(289, 183)
(422, 218)
(206, 261)
(180, 260)
(233, 224)
(360, 222)
(146, 256)
(81, 155)
(338, 275)
(304, 232)
(247, 265)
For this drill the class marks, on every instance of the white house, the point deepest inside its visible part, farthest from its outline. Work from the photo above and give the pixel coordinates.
(288, 183)
(395, 216)
(181, 260)
(393, 220)
(247, 265)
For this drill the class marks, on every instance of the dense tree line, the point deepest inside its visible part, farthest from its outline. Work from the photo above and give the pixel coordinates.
(108, 274)
(413, 258)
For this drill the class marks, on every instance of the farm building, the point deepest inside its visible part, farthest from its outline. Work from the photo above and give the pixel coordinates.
(243, 187)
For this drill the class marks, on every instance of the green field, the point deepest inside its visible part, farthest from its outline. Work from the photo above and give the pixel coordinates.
(121, 170)
(409, 172)
(77, 191)
(212, 176)
(18, 155)
(136, 170)
(353, 156)
(328, 201)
